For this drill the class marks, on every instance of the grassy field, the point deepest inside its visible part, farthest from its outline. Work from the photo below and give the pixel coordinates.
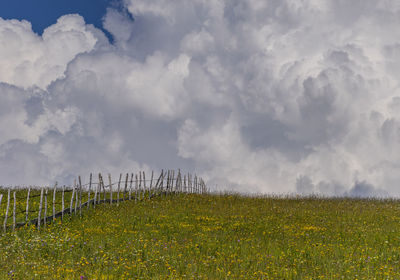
(213, 237)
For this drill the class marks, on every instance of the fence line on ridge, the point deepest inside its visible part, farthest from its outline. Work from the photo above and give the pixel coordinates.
(32, 206)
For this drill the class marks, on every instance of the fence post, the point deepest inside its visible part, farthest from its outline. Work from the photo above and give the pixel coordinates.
(40, 208)
(72, 201)
(95, 195)
(144, 186)
(151, 183)
(14, 209)
(140, 184)
(162, 182)
(54, 202)
(80, 196)
(1, 198)
(136, 187)
(62, 203)
(126, 185)
(190, 190)
(172, 181)
(90, 187)
(76, 196)
(130, 187)
(168, 182)
(178, 181)
(156, 185)
(109, 180)
(119, 187)
(27, 205)
(7, 209)
(45, 209)
(104, 188)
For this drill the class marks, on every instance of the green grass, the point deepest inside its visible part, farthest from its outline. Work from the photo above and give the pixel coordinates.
(213, 237)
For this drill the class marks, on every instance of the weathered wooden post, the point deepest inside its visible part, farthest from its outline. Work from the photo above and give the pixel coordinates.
(172, 180)
(27, 206)
(119, 187)
(72, 201)
(162, 182)
(140, 184)
(62, 203)
(45, 209)
(14, 209)
(54, 201)
(40, 208)
(7, 209)
(136, 187)
(126, 185)
(156, 187)
(189, 183)
(144, 186)
(76, 197)
(90, 188)
(104, 188)
(109, 180)
(130, 187)
(167, 182)
(95, 195)
(151, 184)
(1, 198)
(80, 196)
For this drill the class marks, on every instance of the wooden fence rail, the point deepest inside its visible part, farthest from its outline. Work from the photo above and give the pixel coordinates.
(33, 206)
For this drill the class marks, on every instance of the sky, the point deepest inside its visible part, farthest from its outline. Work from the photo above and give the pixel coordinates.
(259, 96)
(43, 13)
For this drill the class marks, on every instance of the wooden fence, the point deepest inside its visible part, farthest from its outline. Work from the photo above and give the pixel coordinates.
(33, 205)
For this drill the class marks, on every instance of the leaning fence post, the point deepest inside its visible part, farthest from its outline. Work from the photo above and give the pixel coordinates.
(162, 182)
(27, 206)
(14, 209)
(72, 201)
(167, 182)
(7, 209)
(130, 187)
(172, 181)
(40, 208)
(151, 184)
(156, 186)
(54, 202)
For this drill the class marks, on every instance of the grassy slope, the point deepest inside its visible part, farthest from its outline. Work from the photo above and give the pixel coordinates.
(213, 237)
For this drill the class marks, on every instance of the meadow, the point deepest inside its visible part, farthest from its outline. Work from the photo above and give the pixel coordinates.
(191, 236)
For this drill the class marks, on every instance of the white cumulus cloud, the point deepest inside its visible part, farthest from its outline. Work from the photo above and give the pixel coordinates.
(256, 96)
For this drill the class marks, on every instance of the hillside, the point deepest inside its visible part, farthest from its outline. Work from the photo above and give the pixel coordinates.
(190, 236)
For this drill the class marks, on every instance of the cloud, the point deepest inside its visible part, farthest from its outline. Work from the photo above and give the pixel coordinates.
(257, 96)
(31, 60)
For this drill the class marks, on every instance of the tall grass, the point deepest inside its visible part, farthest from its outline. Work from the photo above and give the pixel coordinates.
(213, 237)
